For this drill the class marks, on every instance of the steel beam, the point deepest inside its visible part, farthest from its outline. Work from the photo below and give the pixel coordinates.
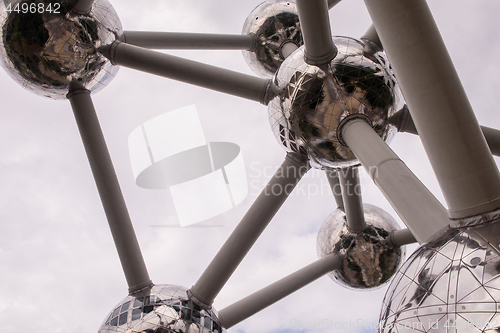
(351, 196)
(315, 26)
(443, 116)
(402, 119)
(372, 36)
(492, 137)
(112, 199)
(250, 305)
(334, 181)
(402, 237)
(422, 213)
(248, 230)
(188, 71)
(188, 41)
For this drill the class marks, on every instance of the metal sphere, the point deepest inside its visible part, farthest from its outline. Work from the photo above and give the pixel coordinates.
(275, 24)
(161, 309)
(312, 102)
(369, 261)
(44, 45)
(448, 285)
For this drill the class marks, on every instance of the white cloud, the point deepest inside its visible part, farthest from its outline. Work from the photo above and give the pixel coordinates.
(59, 271)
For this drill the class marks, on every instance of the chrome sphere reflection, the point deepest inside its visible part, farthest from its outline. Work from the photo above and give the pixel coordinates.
(312, 101)
(369, 261)
(45, 50)
(163, 308)
(276, 26)
(449, 285)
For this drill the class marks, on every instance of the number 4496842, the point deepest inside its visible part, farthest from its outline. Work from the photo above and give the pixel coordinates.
(35, 8)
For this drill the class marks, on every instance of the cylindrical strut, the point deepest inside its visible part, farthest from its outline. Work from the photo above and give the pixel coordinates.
(112, 199)
(188, 41)
(422, 213)
(188, 71)
(248, 230)
(443, 116)
(334, 181)
(315, 26)
(250, 305)
(351, 196)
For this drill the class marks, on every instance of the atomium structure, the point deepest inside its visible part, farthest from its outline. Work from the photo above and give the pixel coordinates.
(334, 104)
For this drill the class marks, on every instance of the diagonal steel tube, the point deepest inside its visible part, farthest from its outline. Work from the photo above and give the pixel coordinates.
(250, 305)
(401, 237)
(492, 137)
(422, 213)
(443, 116)
(334, 181)
(188, 71)
(315, 26)
(372, 37)
(351, 196)
(188, 41)
(248, 230)
(404, 122)
(112, 199)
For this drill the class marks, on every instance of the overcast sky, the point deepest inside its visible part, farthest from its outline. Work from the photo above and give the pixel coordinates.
(59, 271)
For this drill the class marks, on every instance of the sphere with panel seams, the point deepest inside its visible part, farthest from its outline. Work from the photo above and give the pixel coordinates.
(161, 309)
(451, 284)
(369, 260)
(312, 102)
(275, 25)
(44, 45)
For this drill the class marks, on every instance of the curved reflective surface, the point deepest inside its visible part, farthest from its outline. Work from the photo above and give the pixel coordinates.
(45, 50)
(274, 23)
(369, 262)
(161, 309)
(448, 285)
(312, 101)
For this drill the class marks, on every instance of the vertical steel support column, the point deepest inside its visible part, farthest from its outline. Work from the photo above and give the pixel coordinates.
(351, 196)
(315, 26)
(109, 190)
(422, 213)
(443, 116)
(250, 305)
(248, 230)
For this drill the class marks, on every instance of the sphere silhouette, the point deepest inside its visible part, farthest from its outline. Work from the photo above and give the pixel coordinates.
(277, 29)
(161, 309)
(369, 261)
(312, 102)
(44, 45)
(448, 285)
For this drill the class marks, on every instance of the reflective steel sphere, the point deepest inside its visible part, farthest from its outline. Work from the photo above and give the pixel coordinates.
(161, 309)
(275, 23)
(46, 48)
(312, 102)
(369, 261)
(448, 285)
